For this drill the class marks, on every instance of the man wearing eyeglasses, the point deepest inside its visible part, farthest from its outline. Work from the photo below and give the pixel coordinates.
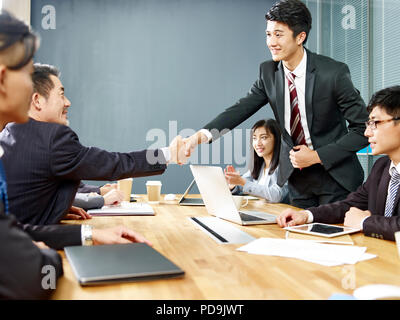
(373, 207)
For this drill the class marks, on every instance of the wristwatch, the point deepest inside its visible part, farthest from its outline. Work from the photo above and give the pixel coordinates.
(86, 231)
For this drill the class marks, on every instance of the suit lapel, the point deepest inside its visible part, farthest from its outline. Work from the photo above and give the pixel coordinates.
(383, 190)
(396, 202)
(310, 81)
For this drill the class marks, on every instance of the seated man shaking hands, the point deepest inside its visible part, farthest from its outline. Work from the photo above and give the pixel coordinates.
(58, 161)
(374, 206)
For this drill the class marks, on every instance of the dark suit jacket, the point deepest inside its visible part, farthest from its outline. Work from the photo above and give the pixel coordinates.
(87, 188)
(54, 236)
(44, 163)
(330, 99)
(22, 263)
(370, 196)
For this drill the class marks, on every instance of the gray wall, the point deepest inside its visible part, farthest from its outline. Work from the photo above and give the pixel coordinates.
(132, 66)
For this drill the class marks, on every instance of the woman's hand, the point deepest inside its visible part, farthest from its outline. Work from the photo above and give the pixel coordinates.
(233, 177)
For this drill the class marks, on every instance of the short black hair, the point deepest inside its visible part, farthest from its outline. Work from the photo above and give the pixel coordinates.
(13, 31)
(42, 83)
(294, 13)
(387, 99)
(272, 127)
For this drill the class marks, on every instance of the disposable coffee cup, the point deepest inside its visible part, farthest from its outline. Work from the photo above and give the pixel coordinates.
(397, 237)
(153, 191)
(125, 185)
(239, 201)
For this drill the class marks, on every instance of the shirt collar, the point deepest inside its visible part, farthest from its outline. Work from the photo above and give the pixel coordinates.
(392, 165)
(301, 68)
(1, 151)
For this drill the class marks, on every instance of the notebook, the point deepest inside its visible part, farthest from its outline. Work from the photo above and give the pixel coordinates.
(124, 209)
(104, 264)
(221, 231)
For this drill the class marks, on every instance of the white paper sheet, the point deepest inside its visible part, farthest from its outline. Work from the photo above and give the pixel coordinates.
(324, 254)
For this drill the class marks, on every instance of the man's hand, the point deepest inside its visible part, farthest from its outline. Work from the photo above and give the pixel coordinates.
(107, 188)
(291, 217)
(76, 213)
(354, 217)
(177, 151)
(117, 235)
(192, 142)
(233, 177)
(303, 157)
(113, 197)
(40, 245)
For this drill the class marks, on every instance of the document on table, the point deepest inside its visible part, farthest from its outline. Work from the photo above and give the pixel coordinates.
(324, 254)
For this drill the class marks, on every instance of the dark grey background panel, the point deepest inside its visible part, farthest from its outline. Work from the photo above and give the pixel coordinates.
(138, 72)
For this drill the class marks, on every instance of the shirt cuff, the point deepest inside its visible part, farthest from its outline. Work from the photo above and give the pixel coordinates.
(166, 153)
(362, 223)
(207, 134)
(310, 217)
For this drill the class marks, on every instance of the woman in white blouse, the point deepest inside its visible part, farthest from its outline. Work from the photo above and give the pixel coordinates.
(261, 179)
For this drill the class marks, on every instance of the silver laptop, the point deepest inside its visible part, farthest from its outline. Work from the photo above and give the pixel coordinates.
(190, 201)
(119, 263)
(219, 201)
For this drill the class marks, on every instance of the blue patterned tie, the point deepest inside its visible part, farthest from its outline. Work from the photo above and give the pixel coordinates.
(393, 188)
(3, 188)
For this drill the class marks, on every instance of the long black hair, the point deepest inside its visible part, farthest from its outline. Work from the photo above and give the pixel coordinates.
(272, 127)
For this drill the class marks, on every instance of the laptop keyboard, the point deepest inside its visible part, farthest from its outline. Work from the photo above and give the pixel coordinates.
(192, 200)
(247, 217)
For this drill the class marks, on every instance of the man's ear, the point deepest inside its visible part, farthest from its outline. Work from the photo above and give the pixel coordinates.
(37, 101)
(3, 74)
(301, 37)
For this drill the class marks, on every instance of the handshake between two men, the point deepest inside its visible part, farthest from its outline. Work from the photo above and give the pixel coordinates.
(182, 148)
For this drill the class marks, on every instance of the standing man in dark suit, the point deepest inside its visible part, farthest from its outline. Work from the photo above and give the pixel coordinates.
(374, 207)
(45, 161)
(312, 97)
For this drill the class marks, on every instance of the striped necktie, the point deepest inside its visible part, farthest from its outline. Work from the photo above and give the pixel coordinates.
(296, 130)
(393, 188)
(3, 188)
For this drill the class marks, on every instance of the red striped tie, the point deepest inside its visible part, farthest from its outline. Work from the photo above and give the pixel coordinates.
(296, 130)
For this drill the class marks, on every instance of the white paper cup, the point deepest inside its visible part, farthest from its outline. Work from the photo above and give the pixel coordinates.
(125, 185)
(153, 191)
(239, 201)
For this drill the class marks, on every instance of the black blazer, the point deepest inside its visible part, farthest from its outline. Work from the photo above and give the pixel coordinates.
(330, 99)
(22, 263)
(87, 188)
(370, 196)
(44, 163)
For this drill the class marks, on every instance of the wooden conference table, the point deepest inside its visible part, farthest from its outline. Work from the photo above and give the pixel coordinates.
(219, 271)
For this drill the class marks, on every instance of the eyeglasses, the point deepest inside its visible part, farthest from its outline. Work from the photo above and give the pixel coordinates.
(373, 123)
